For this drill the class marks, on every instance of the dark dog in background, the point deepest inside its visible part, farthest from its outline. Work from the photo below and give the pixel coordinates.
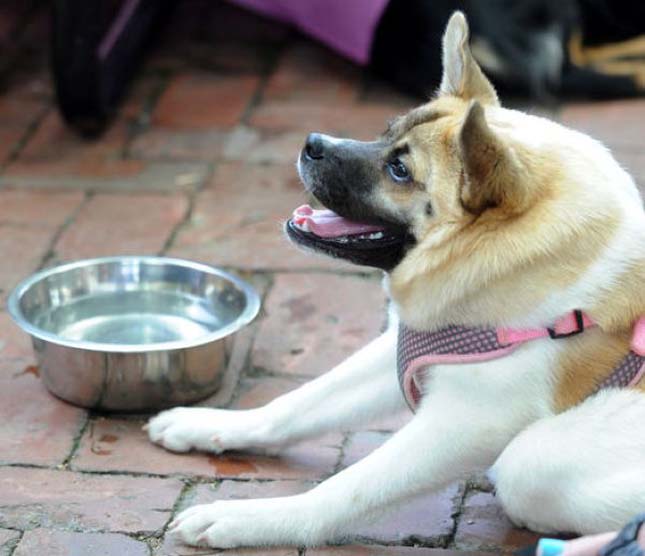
(527, 47)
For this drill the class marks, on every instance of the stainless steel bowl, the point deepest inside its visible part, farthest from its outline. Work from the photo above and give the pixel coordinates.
(132, 333)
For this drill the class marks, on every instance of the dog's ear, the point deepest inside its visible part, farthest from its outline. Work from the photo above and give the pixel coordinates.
(462, 76)
(492, 176)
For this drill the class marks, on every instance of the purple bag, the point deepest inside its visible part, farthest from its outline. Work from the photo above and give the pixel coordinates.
(346, 26)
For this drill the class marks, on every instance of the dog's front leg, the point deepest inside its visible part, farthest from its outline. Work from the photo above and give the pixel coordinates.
(361, 388)
(442, 443)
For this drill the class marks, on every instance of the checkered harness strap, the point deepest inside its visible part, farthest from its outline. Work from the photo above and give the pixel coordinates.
(418, 350)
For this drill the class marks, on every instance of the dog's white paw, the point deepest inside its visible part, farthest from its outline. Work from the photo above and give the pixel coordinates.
(235, 523)
(211, 430)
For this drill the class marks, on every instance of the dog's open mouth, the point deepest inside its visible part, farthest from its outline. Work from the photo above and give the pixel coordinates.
(360, 243)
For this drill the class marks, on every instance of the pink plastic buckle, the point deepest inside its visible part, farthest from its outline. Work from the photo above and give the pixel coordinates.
(570, 325)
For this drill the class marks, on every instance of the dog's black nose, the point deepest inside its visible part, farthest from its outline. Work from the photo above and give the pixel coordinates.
(315, 147)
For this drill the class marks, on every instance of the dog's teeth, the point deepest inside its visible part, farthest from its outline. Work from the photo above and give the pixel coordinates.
(373, 235)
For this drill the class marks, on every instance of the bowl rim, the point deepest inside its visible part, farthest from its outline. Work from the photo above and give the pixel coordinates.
(245, 317)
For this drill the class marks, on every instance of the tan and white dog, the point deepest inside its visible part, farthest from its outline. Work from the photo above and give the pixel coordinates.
(482, 217)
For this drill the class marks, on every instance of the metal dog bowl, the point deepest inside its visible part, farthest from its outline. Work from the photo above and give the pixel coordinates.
(132, 333)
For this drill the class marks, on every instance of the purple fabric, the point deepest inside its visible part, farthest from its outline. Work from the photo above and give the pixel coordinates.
(454, 344)
(625, 373)
(347, 26)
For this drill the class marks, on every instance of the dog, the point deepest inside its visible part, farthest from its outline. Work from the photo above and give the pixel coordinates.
(487, 220)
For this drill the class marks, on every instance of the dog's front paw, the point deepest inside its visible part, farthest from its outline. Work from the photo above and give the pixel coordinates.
(236, 523)
(201, 428)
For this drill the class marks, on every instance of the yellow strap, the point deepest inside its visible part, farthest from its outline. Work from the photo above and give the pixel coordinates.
(582, 55)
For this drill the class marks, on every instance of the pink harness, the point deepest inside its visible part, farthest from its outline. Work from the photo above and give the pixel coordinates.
(461, 344)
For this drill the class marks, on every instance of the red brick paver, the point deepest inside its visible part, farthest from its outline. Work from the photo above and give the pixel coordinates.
(44, 541)
(112, 225)
(16, 352)
(65, 500)
(36, 209)
(258, 391)
(262, 147)
(360, 121)
(107, 175)
(484, 525)
(309, 72)
(29, 222)
(616, 123)
(204, 101)
(26, 249)
(35, 427)
(314, 321)
(164, 144)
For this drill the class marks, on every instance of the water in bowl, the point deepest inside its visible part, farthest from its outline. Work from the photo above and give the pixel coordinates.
(136, 317)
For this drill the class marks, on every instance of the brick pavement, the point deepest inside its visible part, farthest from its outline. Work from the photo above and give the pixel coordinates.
(199, 164)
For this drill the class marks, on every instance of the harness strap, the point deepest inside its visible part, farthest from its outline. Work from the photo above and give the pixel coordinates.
(461, 344)
(571, 324)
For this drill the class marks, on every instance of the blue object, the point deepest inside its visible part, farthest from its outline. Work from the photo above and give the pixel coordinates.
(550, 547)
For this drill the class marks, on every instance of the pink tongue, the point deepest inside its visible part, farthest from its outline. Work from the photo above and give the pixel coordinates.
(326, 223)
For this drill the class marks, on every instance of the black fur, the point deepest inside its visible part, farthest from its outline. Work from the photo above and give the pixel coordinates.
(343, 178)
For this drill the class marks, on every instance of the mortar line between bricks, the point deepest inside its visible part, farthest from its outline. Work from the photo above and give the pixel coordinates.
(181, 224)
(141, 537)
(196, 479)
(257, 371)
(244, 371)
(188, 487)
(410, 541)
(258, 95)
(51, 248)
(306, 270)
(80, 528)
(142, 120)
(246, 365)
(192, 199)
(255, 100)
(29, 132)
(341, 451)
(76, 441)
(456, 517)
(16, 541)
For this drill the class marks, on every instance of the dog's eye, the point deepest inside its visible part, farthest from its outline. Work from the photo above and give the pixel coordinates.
(398, 171)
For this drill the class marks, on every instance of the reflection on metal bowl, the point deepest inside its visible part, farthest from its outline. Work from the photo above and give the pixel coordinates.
(132, 333)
